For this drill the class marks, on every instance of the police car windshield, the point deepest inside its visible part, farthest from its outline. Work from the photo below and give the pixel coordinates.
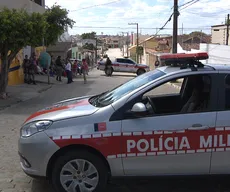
(109, 97)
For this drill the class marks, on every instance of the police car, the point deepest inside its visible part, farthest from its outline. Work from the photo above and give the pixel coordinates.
(80, 143)
(124, 65)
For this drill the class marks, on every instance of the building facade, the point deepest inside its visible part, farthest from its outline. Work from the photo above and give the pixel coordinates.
(219, 34)
(29, 5)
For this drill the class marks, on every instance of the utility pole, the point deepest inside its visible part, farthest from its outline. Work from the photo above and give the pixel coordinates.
(127, 44)
(95, 62)
(227, 29)
(137, 49)
(137, 43)
(175, 26)
(123, 44)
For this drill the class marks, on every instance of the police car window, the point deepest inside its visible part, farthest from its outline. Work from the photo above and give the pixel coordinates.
(120, 60)
(168, 88)
(122, 90)
(190, 94)
(129, 61)
(227, 92)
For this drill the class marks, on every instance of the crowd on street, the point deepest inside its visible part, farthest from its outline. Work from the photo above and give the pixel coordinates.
(59, 67)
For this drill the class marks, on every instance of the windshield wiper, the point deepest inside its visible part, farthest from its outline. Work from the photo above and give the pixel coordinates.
(94, 100)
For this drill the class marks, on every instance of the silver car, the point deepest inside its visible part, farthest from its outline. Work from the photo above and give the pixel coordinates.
(78, 144)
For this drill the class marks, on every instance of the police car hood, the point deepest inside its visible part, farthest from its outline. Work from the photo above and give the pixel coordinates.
(76, 107)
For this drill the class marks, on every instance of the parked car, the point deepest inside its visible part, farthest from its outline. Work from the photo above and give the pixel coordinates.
(124, 65)
(78, 144)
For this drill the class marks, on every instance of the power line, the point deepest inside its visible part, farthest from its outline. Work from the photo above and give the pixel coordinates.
(92, 6)
(186, 3)
(162, 28)
(190, 4)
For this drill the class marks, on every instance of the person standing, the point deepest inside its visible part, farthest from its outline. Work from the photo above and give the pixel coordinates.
(74, 71)
(108, 67)
(85, 68)
(69, 72)
(32, 69)
(25, 66)
(59, 68)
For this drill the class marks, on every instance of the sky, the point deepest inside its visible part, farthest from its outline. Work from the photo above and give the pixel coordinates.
(113, 16)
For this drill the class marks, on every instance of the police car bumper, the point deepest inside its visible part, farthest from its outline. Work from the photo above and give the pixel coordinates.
(35, 152)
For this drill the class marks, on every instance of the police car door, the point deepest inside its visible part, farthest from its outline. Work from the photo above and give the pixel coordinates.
(130, 66)
(220, 163)
(122, 64)
(167, 142)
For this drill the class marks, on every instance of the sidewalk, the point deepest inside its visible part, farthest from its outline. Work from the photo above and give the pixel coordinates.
(24, 92)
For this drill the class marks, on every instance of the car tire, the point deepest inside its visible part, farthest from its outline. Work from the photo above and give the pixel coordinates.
(140, 72)
(95, 163)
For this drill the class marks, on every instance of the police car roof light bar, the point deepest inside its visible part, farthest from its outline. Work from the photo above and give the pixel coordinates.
(188, 60)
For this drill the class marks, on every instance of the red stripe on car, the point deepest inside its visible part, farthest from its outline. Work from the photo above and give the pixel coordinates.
(81, 103)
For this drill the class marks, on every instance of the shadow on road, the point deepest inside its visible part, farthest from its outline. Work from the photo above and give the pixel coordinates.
(163, 184)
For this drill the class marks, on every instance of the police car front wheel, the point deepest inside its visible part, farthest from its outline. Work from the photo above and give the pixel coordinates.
(81, 171)
(140, 71)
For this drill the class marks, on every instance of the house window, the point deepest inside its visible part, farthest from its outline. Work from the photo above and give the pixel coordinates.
(39, 2)
(216, 30)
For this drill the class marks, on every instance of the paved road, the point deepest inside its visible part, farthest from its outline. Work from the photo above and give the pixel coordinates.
(12, 179)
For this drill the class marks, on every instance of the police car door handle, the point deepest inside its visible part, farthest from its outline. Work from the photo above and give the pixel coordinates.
(198, 127)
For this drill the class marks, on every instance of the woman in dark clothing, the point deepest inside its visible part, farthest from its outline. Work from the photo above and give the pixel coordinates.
(25, 65)
(59, 67)
(108, 67)
(32, 69)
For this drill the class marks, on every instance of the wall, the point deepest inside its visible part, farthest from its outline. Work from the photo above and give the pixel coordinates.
(22, 4)
(218, 54)
(219, 37)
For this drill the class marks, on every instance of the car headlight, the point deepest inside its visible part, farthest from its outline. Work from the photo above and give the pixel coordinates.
(34, 127)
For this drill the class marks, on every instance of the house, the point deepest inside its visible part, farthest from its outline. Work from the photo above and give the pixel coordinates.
(61, 47)
(154, 46)
(219, 34)
(133, 38)
(113, 41)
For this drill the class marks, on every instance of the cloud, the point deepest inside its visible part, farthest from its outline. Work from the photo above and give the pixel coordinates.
(114, 18)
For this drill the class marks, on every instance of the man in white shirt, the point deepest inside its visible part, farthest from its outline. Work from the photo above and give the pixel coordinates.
(68, 69)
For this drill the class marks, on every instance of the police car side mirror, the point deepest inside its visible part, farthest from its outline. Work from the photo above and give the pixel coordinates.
(138, 111)
(139, 108)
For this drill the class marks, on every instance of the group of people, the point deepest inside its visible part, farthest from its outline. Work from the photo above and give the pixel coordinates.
(30, 68)
(58, 67)
(71, 69)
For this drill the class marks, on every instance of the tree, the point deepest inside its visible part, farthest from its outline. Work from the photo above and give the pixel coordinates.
(58, 23)
(91, 35)
(89, 46)
(19, 29)
(197, 34)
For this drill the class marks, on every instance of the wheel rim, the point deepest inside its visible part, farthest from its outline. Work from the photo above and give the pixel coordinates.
(141, 72)
(79, 175)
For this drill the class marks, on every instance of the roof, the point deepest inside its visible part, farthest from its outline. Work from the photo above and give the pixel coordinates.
(222, 25)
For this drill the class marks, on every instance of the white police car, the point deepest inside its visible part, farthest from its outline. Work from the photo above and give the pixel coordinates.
(78, 144)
